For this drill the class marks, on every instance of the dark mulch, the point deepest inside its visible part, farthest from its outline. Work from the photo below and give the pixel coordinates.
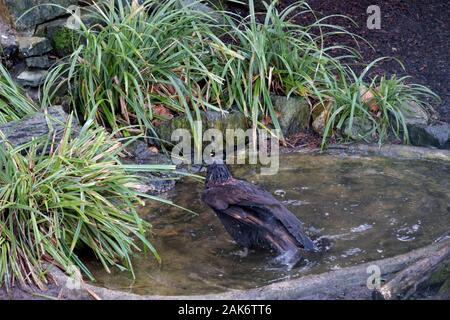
(307, 139)
(417, 32)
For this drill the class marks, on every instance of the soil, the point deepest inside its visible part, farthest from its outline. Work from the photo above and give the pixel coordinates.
(415, 32)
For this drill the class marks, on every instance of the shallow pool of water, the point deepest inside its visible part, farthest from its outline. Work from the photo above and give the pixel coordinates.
(370, 207)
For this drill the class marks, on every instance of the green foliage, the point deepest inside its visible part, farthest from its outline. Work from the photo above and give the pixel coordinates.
(281, 57)
(380, 102)
(14, 105)
(143, 63)
(65, 40)
(138, 57)
(76, 198)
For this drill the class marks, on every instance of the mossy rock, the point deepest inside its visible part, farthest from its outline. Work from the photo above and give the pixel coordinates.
(64, 40)
(360, 130)
(210, 120)
(293, 114)
(441, 275)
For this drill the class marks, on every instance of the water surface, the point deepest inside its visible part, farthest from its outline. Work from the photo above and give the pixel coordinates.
(370, 207)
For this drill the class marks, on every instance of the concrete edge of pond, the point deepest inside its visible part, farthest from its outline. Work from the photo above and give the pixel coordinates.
(394, 151)
(347, 283)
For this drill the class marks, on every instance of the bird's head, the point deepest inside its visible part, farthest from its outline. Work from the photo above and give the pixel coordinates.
(217, 173)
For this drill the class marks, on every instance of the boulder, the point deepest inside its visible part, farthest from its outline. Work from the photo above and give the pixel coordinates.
(434, 135)
(42, 62)
(12, 10)
(414, 114)
(360, 129)
(293, 113)
(210, 119)
(33, 46)
(36, 125)
(32, 78)
(63, 39)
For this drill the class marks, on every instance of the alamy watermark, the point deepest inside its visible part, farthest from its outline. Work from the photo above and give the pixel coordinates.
(374, 19)
(75, 279)
(232, 146)
(374, 280)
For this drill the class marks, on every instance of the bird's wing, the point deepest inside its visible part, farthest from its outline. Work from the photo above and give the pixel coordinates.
(290, 222)
(240, 193)
(245, 194)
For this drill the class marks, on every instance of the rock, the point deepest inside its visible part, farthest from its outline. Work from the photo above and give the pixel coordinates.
(293, 114)
(42, 62)
(320, 113)
(36, 125)
(32, 78)
(12, 10)
(142, 154)
(151, 182)
(155, 183)
(435, 135)
(360, 129)
(196, 5)
(8, 43)
(9, 47)
(210, 119)
(33, 46)
(346, 283)
(231, 120)
(33, 94)
(414, 114)
(62, 34)
(320, 122)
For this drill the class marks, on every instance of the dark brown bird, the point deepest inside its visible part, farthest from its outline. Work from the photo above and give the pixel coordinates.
(253, 217)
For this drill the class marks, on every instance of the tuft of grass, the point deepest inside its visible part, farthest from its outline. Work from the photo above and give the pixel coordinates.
(139, 59)
(14, 105)
(393, 96)
(380, 101)
(281, 57)
(75, 199)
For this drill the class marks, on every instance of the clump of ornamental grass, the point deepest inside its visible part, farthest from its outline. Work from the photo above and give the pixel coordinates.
(75, 198)
(381, 102)
(280, 57)
(14, 105)
(142, 63)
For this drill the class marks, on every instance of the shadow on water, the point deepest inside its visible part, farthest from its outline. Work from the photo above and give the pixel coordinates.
(371, 208)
